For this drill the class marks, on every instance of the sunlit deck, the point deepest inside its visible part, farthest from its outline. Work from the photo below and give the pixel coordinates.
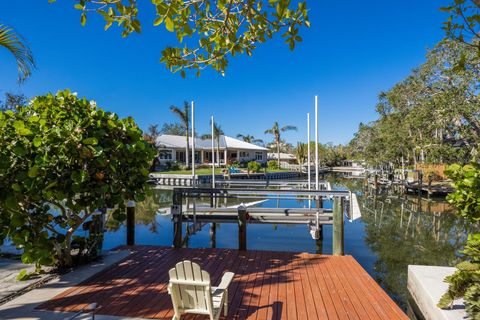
(267, 285)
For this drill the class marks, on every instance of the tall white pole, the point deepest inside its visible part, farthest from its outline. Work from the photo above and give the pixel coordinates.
(213, 155)
(316, 142)
(193, 142)
(308, 151)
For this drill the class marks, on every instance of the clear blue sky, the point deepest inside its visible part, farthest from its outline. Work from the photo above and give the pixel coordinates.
(353, 50)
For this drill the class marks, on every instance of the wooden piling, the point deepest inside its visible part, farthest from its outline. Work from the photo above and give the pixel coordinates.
(420, 182)
(131, 223)
(319, 245)
(177, 219)
(242, 227)
(338, 241)
(430, 179)
(320, 227)
(213, 232)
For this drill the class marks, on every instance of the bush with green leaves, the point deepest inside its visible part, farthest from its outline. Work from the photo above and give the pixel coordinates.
(466, 198)
(465, 282)
(272, 165)
(254, 166)
(62, 158)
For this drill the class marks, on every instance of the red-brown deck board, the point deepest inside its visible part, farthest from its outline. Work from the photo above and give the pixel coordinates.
(267, 285)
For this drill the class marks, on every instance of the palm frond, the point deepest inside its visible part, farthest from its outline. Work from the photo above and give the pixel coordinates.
(217, 129)
(182, 114)
(288, 128)
(14, 43)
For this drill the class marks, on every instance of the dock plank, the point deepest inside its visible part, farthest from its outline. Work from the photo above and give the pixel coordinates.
(267, 285)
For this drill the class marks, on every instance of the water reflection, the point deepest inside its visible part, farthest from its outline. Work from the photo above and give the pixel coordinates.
(393, 232)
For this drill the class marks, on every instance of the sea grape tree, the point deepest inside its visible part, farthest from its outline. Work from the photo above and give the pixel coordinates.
(465, 282)
(62, 158)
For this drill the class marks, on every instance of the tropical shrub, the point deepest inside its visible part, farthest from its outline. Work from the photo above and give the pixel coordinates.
(465, 282)
(466, 198)
(272, 165)
(61, 159)
(253, 166)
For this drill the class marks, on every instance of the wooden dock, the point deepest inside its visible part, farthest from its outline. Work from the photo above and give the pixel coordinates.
(267, 285)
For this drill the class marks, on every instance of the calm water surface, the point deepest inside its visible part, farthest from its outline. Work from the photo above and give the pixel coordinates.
(393, 232)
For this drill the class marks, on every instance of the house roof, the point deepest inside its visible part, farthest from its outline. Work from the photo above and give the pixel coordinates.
(283, 156)
(180, 142)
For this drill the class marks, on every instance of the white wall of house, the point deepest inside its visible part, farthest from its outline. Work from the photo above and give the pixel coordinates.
(203, 156)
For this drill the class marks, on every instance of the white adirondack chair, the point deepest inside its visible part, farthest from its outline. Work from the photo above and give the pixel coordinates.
(192, 292)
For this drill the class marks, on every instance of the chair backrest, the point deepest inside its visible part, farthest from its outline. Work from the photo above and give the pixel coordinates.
(190, 287)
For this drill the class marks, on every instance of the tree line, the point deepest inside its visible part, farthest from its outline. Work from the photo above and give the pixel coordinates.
(431, 116)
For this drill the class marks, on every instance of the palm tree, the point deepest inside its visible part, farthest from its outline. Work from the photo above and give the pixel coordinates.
(301, 153)
(276, 132)
(217, 132)
(184, 116)
(14, 43)
(250, 139)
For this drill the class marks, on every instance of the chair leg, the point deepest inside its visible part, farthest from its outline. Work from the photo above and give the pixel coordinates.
(225, 304)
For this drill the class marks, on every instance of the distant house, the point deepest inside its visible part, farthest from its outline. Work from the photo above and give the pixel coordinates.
(173, 149)
(284, 157)
(353, 163)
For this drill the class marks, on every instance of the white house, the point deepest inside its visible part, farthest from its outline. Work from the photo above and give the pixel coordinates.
(231, 149)
(284, 157)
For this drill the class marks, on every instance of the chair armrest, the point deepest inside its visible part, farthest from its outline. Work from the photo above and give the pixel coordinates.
(226, 279)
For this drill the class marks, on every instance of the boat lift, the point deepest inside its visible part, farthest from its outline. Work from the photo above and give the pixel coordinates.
(315, 217)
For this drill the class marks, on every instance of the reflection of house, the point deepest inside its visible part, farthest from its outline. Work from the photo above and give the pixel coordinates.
(284, 157)
(172, 148)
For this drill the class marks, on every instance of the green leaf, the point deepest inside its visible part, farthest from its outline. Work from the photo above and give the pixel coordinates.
(33, 172)
(37, 141)
(18, 124)
(90, 141)
(169, 24)
(158, 21)
(83, 19)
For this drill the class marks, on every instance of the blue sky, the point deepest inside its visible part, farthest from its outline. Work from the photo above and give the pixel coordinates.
(353, 50)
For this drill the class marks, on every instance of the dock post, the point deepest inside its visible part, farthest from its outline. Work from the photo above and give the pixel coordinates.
(213, 231)
(177, 219)
(430, 179)
(242, 227)
(320, 227)
(338, 243)
(319, 245)
(420, 182)
(130, 223)
(375, 183)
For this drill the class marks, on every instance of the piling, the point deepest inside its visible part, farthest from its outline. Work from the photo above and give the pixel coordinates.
(420, 182)
(177, 219)
(430, 178)
(131, 223)
(320, 227)
(213, 231)
(338, 241)
(242, 227)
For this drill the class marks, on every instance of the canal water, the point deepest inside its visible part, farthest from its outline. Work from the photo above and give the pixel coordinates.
(393, 232)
